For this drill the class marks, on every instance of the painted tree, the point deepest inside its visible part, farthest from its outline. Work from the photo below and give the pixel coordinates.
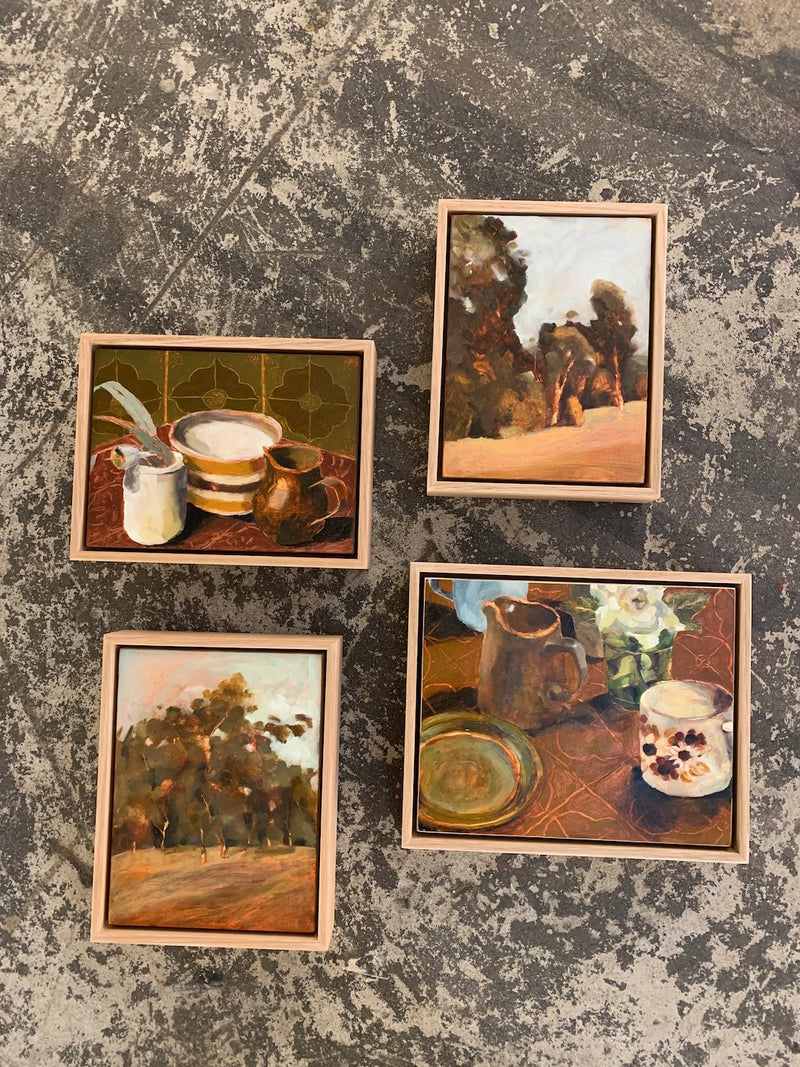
(610, 333)
(489, 383)
(209, 772)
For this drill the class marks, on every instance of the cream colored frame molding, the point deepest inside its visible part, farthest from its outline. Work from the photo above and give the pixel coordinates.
(329, 739)
(651, 489)
(736, 853)
(363, 515)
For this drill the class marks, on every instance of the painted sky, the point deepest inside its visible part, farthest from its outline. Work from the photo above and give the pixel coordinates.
(283, 684)
(566, 254)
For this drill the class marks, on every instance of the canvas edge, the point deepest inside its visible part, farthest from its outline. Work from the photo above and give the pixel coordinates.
(100, 930)
(86, 345)
(326, 899)
(655, 398)
(367, 448)
(408, 832)
(80, 472)
(437, 361)
(601, 493)
(587, 850)
(102, 842)
(551, 491)
(610, 208)
(276, 942)
(743, 713)
(736, 853)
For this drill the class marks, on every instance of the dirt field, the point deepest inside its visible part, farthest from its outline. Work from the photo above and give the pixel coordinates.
(609, 447)
(253, 889)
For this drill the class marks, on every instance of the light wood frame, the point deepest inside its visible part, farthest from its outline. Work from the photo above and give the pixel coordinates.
(650, 489)
(101, 930)
(363, 512)
(738, 851)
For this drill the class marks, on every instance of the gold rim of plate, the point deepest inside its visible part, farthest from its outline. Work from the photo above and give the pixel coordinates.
(510, 743)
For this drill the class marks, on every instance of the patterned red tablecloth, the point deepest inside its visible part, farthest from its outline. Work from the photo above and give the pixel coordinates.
(591, 784)
(214, 533)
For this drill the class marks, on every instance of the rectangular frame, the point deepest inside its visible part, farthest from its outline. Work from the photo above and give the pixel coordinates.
(651, 489)
(101, 931)
(738, 852)
(90, 341)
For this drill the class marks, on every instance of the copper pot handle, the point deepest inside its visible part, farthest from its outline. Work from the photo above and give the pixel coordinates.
(340, 490)
(560, 646)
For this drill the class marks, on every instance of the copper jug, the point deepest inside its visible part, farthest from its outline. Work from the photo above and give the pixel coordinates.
(529, 670)
(291, 505)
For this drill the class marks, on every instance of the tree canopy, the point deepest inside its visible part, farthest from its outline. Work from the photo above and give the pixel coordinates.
(487, 379)
(208, 773)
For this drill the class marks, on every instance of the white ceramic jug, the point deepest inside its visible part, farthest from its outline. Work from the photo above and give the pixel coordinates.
(154, 501)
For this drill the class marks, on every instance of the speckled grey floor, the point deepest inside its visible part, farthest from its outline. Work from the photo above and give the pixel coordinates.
(257, 167)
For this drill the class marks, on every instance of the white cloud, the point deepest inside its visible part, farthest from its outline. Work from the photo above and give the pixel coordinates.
(566, 254)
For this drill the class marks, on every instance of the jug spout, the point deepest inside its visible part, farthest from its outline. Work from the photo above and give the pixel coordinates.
(521, 618)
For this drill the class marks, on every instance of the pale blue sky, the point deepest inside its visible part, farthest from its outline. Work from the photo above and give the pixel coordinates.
(283, 684)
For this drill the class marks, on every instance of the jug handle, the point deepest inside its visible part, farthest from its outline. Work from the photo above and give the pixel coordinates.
(560, 646)
(340, 490)
(436, 587)
(728, 730)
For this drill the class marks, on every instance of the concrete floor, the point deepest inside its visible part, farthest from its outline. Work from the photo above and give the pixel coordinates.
(273, 168)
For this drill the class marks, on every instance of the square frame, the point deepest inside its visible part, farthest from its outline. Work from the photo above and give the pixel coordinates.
(364, 349)
(738, 852)
(101, 930)
(437, 484)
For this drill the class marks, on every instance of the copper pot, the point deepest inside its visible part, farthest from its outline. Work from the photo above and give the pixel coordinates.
(292, 504)
(529, 670)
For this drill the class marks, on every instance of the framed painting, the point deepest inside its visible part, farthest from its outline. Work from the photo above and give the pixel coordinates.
(548, 350)
(224, 450)
(578, 712)
(216, 790)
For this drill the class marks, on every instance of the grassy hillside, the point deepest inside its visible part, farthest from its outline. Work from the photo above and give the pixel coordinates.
(267, 889)
(609, 447)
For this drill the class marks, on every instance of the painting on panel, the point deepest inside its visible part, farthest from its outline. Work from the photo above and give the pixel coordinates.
(606, 713)
(224, 451)
(214, 799)
(548, 350)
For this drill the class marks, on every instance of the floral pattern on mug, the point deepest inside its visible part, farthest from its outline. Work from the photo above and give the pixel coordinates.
(675, 755)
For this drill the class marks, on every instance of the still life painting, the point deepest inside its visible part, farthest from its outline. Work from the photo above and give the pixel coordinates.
(585, 712)
(224, 450)
(548, 350)
(216, 790)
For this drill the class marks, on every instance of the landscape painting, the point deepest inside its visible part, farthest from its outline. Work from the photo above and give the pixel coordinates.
(224, 450)
(213, 813)
(548, 350)
(597, 713)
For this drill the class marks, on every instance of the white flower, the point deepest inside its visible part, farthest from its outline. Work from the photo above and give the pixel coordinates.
(634, 611)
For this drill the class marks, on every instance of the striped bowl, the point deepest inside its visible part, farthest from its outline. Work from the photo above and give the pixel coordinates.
(223, 453)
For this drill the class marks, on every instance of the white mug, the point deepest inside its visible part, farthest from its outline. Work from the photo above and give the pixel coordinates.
(154, 501)
(470, 594)
(686, 738)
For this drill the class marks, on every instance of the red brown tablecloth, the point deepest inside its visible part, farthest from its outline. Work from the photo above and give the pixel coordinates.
(591, 785)
(214, 533)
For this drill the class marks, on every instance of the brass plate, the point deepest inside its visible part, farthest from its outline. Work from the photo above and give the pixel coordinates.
(475, 772)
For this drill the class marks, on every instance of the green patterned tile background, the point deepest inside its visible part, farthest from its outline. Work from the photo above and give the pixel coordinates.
(315, 398)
